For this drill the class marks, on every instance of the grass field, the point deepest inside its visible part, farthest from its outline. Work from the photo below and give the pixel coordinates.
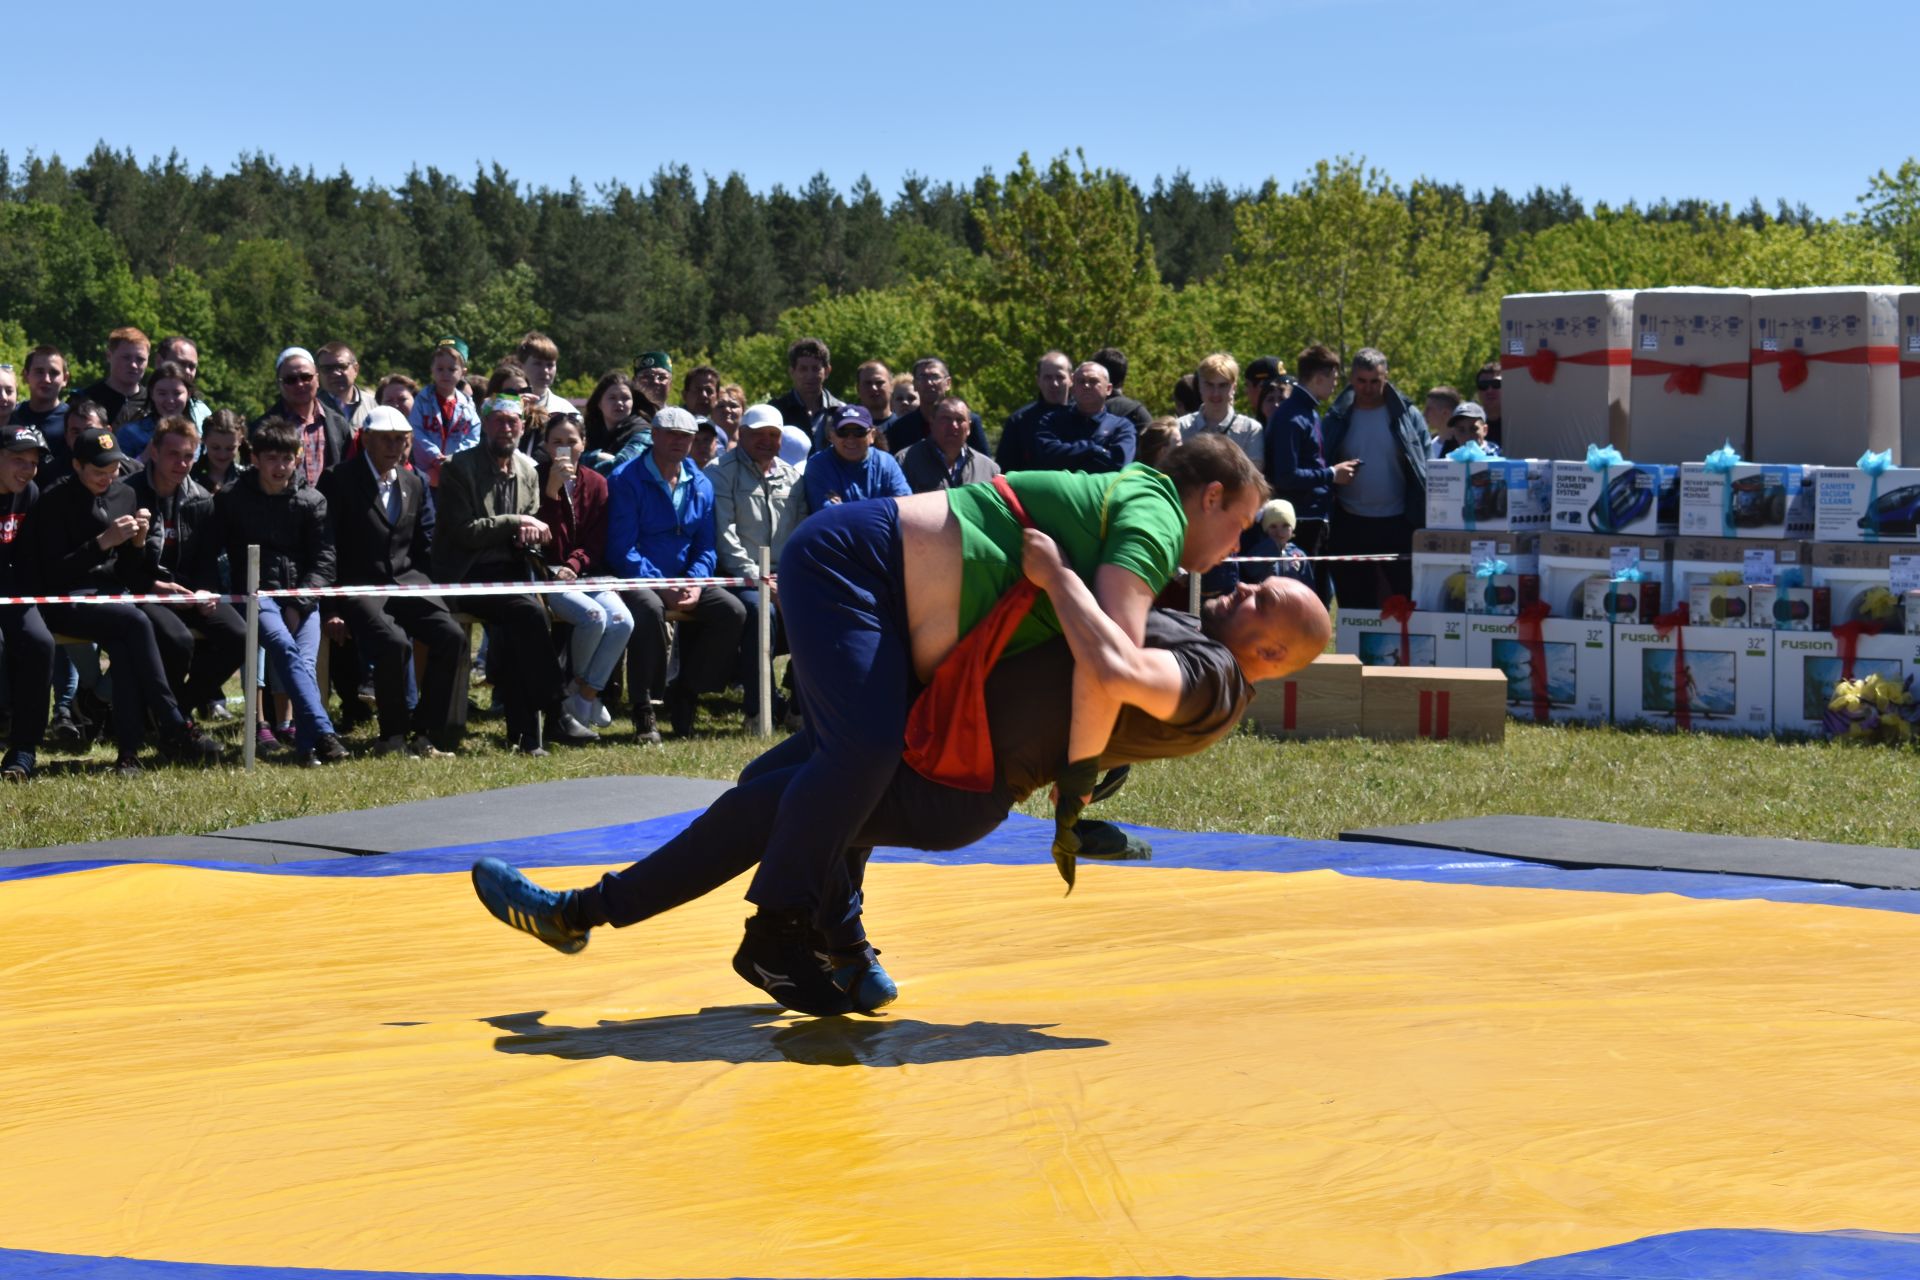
(1693, 782)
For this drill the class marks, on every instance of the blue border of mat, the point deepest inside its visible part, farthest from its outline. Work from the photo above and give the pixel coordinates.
(1682, 1255)
(1023, 841)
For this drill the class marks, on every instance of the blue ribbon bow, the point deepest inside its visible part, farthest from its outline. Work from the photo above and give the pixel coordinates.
(1874, 464)
(1724, 460)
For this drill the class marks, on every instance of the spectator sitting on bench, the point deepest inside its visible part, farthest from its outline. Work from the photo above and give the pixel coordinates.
(573, 502)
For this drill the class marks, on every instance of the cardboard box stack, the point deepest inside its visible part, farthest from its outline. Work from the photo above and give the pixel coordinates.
(1691, 368)
(1752, 500)
(1565, 365)
(1909, 303)
(1826, 378)
(1569, 562)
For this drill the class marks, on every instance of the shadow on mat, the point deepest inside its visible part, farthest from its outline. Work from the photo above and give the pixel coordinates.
(761, 1033)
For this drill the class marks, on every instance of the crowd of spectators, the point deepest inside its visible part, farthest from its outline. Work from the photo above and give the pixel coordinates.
(135, 485)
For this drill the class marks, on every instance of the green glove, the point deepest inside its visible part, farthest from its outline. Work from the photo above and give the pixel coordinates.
(1075, 782)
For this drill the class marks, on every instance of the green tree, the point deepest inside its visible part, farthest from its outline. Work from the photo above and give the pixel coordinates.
(261, 298)
(492, 322)
(1892, 207)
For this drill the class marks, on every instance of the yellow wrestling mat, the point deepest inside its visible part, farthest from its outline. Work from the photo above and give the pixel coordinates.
(1173, 1072)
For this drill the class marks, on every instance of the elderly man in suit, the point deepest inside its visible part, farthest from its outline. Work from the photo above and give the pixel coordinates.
(382, 533)
(487, 532)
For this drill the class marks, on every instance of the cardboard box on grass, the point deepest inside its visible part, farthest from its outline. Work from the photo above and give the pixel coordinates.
(1806, 666)
(1728, 684)
(1909, 302)
(1867, 580)
(1321, 700)
(1690, 373)
(1575, 657)
(1565, 375)
(1511, 495)
(1430, 639)
(1826, 377)
(1770, 500)
(1568, 560)
(1442, 703)
(1727, 561)
(1444, 560)
(1641, 499)
(1851, 505)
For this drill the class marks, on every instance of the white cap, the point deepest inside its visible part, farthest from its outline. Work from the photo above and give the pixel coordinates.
(761, 415)
(289, 354)
(384, 417)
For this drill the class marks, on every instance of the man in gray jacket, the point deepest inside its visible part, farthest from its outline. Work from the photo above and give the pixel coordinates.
(757, 500)
(944, 460)
(1378, 511)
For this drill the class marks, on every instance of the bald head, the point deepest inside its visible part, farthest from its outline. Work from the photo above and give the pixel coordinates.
(1274, 628)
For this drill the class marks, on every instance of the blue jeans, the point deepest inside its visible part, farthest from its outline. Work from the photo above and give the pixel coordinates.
(842, 580)
(601, 625)
(293, 655)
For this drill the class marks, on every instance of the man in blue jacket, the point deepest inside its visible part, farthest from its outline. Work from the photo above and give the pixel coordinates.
(1296, 464)
(1385, 499)
(1081, 435)
(660, 525)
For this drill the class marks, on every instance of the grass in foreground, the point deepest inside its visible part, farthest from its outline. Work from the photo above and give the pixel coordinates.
(1309, 790)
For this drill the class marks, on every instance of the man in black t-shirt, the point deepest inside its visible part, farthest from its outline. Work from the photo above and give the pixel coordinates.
(1195, 678)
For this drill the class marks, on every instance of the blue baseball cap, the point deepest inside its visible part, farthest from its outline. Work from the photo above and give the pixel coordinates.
(852, 415)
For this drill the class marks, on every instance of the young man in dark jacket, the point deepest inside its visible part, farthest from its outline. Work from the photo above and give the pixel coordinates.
(1377, 510)
(91, 534)
(288, 523)
(28, 642)
(1296, 464)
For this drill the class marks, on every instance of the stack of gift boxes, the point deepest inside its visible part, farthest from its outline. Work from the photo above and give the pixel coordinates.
(1725, 531)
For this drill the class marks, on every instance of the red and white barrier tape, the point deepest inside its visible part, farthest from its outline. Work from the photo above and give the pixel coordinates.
(402, 589)
(1385, 555)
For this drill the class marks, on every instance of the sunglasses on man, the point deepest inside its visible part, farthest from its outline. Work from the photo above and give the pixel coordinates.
(850, 433)
(1488, 384)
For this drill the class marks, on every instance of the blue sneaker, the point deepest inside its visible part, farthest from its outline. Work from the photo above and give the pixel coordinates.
(521, 904)
(777, 955)
(866, 984)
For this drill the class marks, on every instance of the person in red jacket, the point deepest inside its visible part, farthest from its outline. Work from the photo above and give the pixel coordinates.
(573, 502)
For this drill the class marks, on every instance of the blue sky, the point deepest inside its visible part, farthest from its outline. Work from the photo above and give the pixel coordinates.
(1620, 99)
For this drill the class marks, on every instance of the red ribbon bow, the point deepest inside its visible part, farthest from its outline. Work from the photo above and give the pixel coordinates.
(1847, 636)
(1541, 365)
(1676, 623)
(1687, 379)
(1531, 635)
(1399, 609)
(1793, 362)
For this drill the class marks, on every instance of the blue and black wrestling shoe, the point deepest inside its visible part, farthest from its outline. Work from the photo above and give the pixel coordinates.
(519, 903)
(780, 954)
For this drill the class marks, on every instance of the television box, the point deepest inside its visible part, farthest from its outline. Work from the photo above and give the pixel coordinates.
(1711, 604)
(1576, 656)
(1728, 685)
(1909, 376)
(1617, 601)
(1912, 613)
(1690, 373)
(1321, 700)
(1826, 377)
(1441, 703)
(1770, 500)
(1807, 666)
(1444, 559)
(1698, 560)
(1566, 378)
(1866, 579)
(1848, 506)
(1791, 608)
(1642, 499)
(1431, 639)
(1498, 495)
(1568, 560)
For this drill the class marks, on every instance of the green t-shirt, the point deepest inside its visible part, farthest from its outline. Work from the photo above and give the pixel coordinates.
(1132, 519)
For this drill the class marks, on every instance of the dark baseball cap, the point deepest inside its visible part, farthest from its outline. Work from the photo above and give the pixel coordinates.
(1264, 368)
(20, 437)
(98, 449)
(852, 415)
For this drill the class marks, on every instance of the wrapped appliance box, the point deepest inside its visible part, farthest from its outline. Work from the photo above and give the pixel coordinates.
(1569, 560)
(1444, 561)
(1691, 366)
(1715, 679)
(1442, 703)
(1736, 562)
(1752, 500)
(1639, 498)
(1419, 640)
(1565, 375)
(1321, 700)
(1713, 604)
(1852, 505)
(1866, 580)
(1791, 608)
(1623, 600)
(1826, 378)
(1561, 671)
(1505, 495)
(1807, 666)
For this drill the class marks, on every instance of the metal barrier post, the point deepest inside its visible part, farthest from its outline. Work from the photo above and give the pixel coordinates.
(765, 655)
(1193, 594)
(250, 668)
